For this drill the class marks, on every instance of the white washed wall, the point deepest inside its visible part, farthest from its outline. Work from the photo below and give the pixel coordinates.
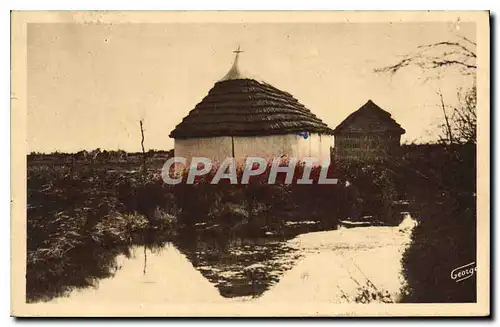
(317, 146)
(215, 148)
(268, 147)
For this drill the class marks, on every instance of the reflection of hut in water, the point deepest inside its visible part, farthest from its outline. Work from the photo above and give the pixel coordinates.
(368, 133)
(242, 117)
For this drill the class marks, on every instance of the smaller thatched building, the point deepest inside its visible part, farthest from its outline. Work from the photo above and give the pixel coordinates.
(368, 133)
(242, 117)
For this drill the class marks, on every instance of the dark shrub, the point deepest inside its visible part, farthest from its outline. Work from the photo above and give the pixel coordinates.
(444, 187)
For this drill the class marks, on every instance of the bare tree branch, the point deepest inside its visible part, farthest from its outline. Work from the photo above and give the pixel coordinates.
(465, 119)
(449, 44)
(142, 147)
(440, 63)
(452, 54)
(448, 130)
(459, 121)
(466, 39)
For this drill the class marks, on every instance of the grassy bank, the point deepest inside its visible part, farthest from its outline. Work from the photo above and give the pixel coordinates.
(80, 219)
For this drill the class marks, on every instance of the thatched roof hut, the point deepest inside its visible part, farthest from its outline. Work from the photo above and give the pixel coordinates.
(369, 132)
(242, 109)
(246, 107)
(384, 120)
(241, 106)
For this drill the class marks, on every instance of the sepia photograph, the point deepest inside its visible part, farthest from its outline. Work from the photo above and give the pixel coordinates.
(250, 164)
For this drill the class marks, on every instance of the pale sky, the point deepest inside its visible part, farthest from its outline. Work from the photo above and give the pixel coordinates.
(90, 84)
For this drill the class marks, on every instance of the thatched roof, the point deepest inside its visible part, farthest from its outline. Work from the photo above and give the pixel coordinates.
(245, 107)
(369, 118)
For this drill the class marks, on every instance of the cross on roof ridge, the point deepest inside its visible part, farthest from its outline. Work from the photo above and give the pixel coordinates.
(238, 50)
